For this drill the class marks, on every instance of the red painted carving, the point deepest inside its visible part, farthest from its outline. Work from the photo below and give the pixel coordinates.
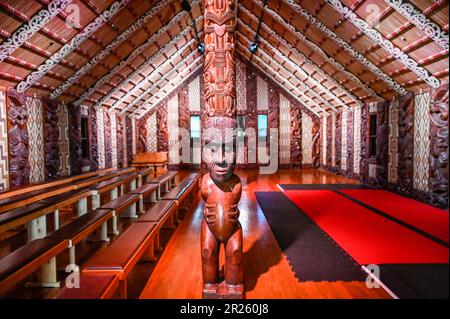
(51, 135)
(221, 188)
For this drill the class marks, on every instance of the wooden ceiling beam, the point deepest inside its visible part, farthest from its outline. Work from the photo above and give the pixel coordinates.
(126, 61)
(387, 45)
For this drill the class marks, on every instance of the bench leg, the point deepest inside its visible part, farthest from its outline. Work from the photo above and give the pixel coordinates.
(139, 180)
(158, 246)
(141, 206)
(95, 201)
(115, 229)
(56, 219)
(154, 196)
(46, 276)
(37, 228)
(170, 222)
(149, 253)
(122, 189)
(132, 211)
(81, 207)
(72, 258)
(123, 289)
(114, 193)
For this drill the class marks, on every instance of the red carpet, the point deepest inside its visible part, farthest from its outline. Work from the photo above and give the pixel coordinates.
(367, 237)
(430, 219)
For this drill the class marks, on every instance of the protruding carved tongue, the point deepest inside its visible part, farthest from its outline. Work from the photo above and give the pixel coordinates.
(219, 29)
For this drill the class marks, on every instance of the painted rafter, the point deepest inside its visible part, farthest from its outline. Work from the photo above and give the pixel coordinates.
(302, 84)
(21, 35)
(75, 42)
(307, 61)
(113, 45)
(378, 38)
(176, 82)
(416, 17)
(139, 71)
(319, 50)
(347, 47)
(130, 58)
(160, 79)
(282, 82)
(297, 69)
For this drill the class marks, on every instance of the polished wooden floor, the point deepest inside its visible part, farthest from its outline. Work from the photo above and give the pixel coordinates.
(267, 272)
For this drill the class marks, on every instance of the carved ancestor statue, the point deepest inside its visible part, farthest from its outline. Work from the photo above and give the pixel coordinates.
(221, 188)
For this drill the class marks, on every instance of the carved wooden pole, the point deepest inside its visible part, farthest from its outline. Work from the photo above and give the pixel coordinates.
(221, 188)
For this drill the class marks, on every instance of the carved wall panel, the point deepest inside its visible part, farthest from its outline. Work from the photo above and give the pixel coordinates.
(421, 171)
(184, 119)
(338, 141)
(133, 136)
(439, 146)
(324, 139)
(93, 139)
(350, 142)
(333, 139)
(129, 140)
(316, 143)
(163, 132)
(4, 162)
(344, 138)
(75, 139)
(356, 140)
(141, 133)
(120, 141)
(382, 143)
(251, 117)
(194, 95)
(330, 141)
(363, 133)
(301, 137)
(108, 141)
(113, 125)
(173, 130)
(262, 94)
(393, 141)
(51, 139)
(405, 144)
(63, 139)
(273, 120)
(285, 130)
(19, 167)
(101, 138)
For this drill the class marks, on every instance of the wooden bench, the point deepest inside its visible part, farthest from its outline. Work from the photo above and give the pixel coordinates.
(144, 175)
(163, 213)
(146, 192)
(165, 181)
(182, 193)
(136, 243)
(80, 228)
(33, 196)
(26, 260)
(154, 160)
(118, 206)
(92, 286)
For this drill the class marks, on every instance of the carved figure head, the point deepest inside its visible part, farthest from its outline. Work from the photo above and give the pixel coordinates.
(219, 151)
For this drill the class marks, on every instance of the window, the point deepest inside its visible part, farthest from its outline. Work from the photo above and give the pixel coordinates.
(84, 138)
(262, 128)
(373, 136)
(195, 127)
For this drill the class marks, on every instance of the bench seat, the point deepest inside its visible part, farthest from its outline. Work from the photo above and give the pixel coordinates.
(124, 253)
(148, 193)
(93, 286)
(22, 215)
(83, 226)
(24, 261)
(121, 203)
(178, 192)
(157, 212)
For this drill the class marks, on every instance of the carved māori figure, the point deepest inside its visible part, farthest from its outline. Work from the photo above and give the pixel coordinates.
(221, 188)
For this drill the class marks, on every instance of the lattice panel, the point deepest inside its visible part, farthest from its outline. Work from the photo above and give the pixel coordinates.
(36, 140)
(63, 130)
(152, 140)
(333, 139)
(101, 139)
(133, 135)
(307, 139)
(173, 128)
(241, 87)
(324, 140)
(4, 174)
(421, 141)
(285, 130)
(262, 94)
(194, 95)
(372, 170)
(114, 138)
(356, 139)
(393, 142)
(344, 141)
